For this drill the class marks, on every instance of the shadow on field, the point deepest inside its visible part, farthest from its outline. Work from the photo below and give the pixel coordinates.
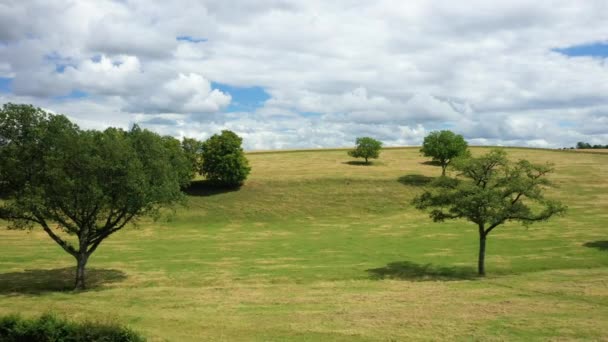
(205, 188)
(415, 180)
(601, 245)
(35, 282)
(359, 163)
(431, 162)
(407, 270)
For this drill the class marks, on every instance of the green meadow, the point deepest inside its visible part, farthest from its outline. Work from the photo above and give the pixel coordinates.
(317, 247)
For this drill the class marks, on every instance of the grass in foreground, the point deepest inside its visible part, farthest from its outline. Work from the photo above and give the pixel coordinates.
(314, 248)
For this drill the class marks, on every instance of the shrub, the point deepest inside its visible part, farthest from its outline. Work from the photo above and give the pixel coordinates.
(224, 161)
(51, 328)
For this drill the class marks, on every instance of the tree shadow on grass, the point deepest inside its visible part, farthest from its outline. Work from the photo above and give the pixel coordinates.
(36, 282)
(415, 180)
(359, 163)
(407, 270)
(601, 245)
(431, 162)
(205, 188)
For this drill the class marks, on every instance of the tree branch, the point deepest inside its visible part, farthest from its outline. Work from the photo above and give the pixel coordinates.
(65, 245)
(97, 240)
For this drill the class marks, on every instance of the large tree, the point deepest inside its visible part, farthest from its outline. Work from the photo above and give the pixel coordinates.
(224, 161)
(490, 191)
(81, 186)
(443, 147)
(366, 148)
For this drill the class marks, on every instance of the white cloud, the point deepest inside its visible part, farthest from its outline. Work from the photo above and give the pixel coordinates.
(106, 76)
(332, 69)
(188, 93)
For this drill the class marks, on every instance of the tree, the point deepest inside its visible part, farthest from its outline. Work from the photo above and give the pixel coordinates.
(443, 147)
(193, 149)
(81, 186)
(366, 148)
(224, 161)
(490, 192)
(583, 145)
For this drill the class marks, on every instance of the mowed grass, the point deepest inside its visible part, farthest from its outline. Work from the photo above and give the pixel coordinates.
(315, 248)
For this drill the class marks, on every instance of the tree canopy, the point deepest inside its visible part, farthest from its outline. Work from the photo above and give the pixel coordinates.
(443, 147)
(367, 148)
(193, 150)
(586, 145)
(86, 184)
(224, 161)
(490, 191)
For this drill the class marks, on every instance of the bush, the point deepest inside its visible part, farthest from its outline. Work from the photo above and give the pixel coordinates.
(50, 328)
(224, 161)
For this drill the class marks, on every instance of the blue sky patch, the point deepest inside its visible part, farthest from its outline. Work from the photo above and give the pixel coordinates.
(191, 39)
(60, 62)
(243, 98)
(599, 49)
(5, 84)
(566, 124)
(60, 68)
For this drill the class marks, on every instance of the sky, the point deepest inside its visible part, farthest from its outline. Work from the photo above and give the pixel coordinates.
(311, 74)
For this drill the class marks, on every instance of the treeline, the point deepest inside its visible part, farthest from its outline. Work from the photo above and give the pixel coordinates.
(585, 145)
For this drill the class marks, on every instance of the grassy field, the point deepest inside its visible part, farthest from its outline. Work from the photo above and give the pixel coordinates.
(316, 248)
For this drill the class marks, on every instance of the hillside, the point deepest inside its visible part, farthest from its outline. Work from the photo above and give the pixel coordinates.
(316, 247)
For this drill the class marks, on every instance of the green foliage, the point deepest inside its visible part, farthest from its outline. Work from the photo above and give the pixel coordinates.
(224, 161)
(366, 148)
(193, 150)
(586, 145)
(491, 191)
(88, 184)
(443, 147)
(50, 328)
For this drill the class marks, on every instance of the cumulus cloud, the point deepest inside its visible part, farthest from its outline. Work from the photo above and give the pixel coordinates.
(333, 70)
(188, 93)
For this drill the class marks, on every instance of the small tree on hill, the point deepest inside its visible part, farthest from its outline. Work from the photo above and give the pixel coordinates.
(443, 147)
(224, 161)
(85, 184)
(366, 148)
(492, 191)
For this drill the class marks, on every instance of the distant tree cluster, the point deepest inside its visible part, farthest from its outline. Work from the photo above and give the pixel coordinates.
(584, 145)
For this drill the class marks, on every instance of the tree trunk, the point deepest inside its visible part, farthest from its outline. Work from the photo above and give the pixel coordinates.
(481, 266)
(81, 260)
(443, 167)
(366, 160)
